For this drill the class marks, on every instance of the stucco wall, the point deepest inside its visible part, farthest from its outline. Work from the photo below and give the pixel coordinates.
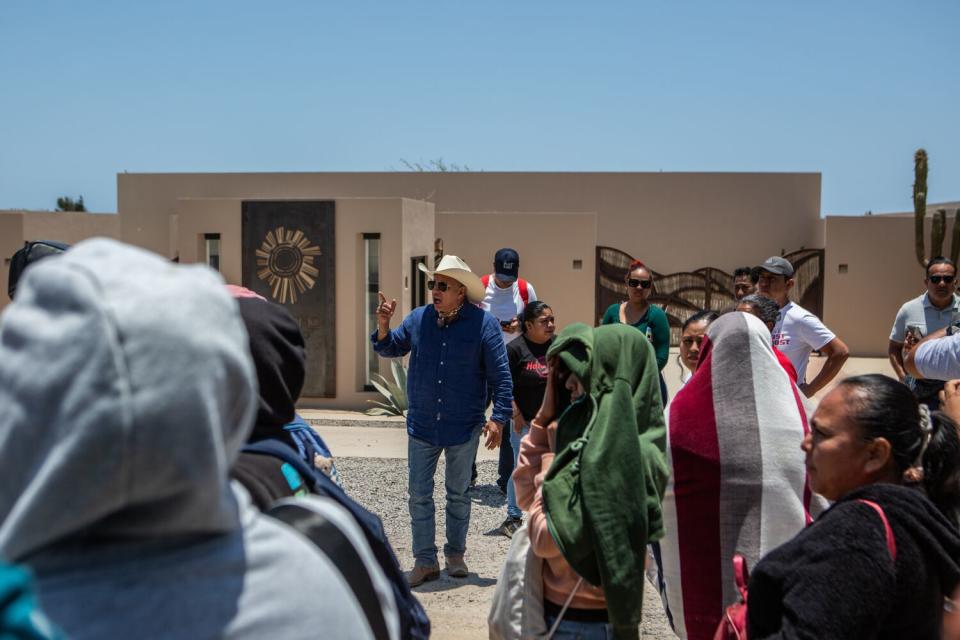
(673, 221)
(196, 217)
(11, 239)
(882, 273)
(548, 243)
(17, 227)
(419, 232)
(69, 227)
(406, 228)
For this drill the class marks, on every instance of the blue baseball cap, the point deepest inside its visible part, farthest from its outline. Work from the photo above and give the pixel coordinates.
(506, 265)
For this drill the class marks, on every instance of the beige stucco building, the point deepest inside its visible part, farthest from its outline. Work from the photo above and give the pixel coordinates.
(384, 223)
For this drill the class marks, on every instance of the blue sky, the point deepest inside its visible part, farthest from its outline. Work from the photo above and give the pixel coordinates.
(849, 89)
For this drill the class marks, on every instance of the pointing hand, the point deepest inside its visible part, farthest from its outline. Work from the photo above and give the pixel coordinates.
(385, 310)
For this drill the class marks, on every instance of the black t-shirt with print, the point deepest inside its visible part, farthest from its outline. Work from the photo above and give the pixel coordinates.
(528, 368)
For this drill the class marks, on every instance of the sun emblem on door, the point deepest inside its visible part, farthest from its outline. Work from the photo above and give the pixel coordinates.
(285, 262)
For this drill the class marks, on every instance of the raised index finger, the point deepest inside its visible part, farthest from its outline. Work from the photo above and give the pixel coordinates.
(383, 298)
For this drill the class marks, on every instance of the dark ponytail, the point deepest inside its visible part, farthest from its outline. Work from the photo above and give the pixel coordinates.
(707, 315)
(941, 471)
(885, 408)
(531, 312)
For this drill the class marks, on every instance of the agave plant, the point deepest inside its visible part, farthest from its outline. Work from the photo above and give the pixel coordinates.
(395, 392)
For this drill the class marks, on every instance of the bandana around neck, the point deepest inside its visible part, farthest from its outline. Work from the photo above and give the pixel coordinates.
(445, 319)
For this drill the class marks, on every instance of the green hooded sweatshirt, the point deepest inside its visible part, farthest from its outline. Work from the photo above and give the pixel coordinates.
(603, 491)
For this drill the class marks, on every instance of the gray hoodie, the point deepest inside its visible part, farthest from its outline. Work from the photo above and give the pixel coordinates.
(126, 390)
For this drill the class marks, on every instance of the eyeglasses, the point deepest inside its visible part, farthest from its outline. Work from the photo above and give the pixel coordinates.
(633, 283)
(943, 279)
(439, 286)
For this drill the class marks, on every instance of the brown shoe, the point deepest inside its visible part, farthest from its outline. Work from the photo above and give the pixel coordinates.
(421, 574)
(456, 567)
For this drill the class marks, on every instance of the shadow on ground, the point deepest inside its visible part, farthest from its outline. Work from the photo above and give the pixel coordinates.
(446, 583)
(488, 495)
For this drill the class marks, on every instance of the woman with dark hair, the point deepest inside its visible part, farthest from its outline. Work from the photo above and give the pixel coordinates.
(528, 368)
(891, 466)
(648, 318)
(691, 337)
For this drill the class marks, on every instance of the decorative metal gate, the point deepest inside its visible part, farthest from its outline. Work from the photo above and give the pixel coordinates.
(289, 257)
(685, 293)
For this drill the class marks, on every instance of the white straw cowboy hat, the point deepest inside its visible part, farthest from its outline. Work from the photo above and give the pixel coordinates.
(454, 267)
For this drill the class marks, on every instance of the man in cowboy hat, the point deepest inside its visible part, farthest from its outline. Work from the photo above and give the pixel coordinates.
(456, 353)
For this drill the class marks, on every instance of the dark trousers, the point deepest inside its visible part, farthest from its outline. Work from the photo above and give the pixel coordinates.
(505, 464)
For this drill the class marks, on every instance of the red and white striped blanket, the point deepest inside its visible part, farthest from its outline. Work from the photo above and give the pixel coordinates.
(737, 474)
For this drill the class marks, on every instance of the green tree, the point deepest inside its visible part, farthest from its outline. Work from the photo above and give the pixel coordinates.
(66, 203)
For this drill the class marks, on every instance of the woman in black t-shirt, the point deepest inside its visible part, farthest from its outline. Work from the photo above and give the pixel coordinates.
(528, 367)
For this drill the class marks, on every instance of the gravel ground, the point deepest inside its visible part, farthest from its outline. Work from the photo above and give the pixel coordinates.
(457, 607)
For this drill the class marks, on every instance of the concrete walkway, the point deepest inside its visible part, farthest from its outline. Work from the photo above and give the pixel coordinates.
(376, 442)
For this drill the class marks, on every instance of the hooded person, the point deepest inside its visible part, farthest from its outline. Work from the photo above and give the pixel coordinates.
(279, 357)
(126, 390)
(737, 482)
(596, 504)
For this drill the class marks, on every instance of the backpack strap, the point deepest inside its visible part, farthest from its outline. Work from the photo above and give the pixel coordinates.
(340, 551)
(524, 294)
(891, 541)
(741, 575)
(414, 622)
(281, 450)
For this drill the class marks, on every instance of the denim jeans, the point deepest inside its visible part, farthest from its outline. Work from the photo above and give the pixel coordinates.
(513, 511)
(422, 460)
(574, 630)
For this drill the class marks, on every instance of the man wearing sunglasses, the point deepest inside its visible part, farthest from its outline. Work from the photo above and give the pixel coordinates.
(799, 332)
(935, 309)
(456, 354)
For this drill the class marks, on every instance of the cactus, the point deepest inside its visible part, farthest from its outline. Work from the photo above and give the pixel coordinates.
(919, 201)
(938, 228)
(955, 238)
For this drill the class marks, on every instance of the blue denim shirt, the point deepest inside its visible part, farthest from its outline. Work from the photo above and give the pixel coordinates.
(449, 372)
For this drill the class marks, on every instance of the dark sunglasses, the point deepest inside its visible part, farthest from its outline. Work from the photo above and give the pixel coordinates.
(439, 286)
(939, 279)
(633, 283)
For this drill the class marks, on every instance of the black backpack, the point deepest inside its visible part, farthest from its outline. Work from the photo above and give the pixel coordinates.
(414, 623)
(30, 253)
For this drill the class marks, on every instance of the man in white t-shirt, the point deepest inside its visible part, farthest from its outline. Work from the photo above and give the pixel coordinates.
(507, 293)
(506, 296)
(798, 332)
